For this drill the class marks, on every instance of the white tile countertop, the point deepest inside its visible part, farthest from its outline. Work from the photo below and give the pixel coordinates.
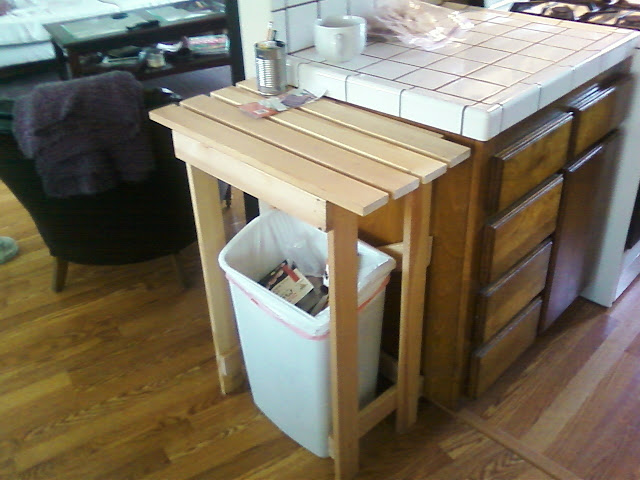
(506, 68)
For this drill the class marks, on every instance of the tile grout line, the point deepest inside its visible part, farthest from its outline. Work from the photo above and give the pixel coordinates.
(508, 441)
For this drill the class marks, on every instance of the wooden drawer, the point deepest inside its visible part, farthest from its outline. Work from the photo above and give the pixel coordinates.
(575, 236)
(491, 360)
(598, 111)
(501, 300)
(509, 236)
(524, 164)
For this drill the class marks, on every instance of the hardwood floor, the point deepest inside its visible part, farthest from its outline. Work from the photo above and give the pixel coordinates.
(115, 379)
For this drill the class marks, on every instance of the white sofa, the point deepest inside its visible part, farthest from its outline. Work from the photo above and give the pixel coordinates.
(23, 38)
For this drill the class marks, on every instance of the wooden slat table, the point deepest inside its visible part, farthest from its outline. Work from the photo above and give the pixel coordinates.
(328, 164)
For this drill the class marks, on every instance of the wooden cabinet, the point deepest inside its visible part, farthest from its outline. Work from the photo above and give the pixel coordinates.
(499, 302)
(520, 167)
(568, 272)
(490, 361)
(510, 230)
(522, 202)
(514, 233)
(597, 112)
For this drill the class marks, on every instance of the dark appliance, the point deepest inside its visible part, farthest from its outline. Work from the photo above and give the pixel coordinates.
(621, 13)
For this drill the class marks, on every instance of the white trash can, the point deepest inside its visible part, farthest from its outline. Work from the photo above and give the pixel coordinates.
(286, 350)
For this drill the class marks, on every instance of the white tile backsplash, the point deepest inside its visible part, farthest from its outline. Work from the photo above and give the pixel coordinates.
(300, 22)
(356, 63)
(518, 102)
(361, 8)
(576, 44)
(554, 81)
(429, 79)
(456, 66)
(332, 7)
(527, 34)
(375, 93)
(510, 21)
(387, 69)
(471, 89)
(524, 63)
(293, 69)
(482, 14)
(481, 121)
(279, 18)
(474, 38)
(483, 54)
(433, 108)
(584, 66)
(546, 52)
(548, 28)
(506, 44)
(491, 28)
(332, 80)
(418, 57)
(384, 50)
(499, 75)
(495, 75)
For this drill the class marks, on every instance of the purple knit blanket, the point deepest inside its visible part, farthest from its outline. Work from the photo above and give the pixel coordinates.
(86, 135)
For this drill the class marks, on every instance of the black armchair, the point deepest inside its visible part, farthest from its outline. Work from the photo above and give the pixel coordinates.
(130, 223)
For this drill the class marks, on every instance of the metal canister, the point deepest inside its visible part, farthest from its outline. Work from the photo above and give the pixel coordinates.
(271, 67)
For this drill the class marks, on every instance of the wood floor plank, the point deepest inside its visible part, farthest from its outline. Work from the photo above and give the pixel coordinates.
(110, 415)
(587, 422)
(528, 389)
(602, 439)
(33, 393)
(115, 379)
(580, 387)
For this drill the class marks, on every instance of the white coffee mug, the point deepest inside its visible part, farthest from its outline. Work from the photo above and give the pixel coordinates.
(340, 38)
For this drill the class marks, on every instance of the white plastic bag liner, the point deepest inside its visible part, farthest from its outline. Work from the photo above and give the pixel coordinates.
(286, 350)
(275, 236)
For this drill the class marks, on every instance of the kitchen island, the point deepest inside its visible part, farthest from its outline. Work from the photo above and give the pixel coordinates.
(540, 102)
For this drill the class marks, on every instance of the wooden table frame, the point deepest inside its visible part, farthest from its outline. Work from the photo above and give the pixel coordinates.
(198, 140)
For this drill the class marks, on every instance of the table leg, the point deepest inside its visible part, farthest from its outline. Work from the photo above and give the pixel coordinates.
(343, 266)
(211, 239)
(61, 62)
(74, 69)
(415, 260)
(251, 207)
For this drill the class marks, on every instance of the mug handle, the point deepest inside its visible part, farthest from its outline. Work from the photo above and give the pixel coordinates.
(338, 42)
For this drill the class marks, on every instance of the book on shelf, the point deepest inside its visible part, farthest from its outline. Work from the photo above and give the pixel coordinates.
(208, 44)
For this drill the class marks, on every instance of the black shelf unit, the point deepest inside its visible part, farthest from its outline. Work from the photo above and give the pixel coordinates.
(71, 50)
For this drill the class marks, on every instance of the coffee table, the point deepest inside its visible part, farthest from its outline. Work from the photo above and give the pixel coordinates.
(147, 27)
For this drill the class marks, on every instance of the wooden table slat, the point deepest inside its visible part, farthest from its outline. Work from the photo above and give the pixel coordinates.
(360, 168)
(386, 128)
(427, 169)
(308, 176)
(276, 192)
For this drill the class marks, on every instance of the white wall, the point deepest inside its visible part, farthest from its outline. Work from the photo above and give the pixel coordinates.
(254, 17)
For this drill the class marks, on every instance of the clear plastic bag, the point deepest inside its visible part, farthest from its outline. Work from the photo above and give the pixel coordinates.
(417, 23)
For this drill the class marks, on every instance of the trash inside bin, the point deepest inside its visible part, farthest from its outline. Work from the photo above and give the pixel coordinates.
(286, 350)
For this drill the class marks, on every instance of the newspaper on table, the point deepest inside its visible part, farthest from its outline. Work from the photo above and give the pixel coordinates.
(272, 105)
